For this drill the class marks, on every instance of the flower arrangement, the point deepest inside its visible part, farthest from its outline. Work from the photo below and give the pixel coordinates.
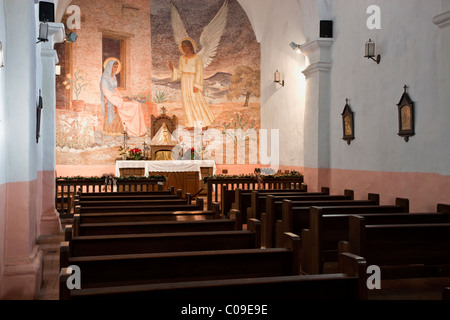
(135, 154)
(192, 153)
(123, 152)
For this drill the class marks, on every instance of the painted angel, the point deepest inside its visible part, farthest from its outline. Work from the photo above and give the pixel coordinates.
(192, 64)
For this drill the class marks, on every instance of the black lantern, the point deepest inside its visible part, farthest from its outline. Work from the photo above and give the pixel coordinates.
(370, 52)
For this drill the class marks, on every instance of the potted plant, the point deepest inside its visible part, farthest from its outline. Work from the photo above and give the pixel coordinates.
(77, 83)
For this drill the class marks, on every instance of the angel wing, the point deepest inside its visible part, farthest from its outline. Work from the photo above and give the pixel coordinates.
(211, 35)
(179, 31)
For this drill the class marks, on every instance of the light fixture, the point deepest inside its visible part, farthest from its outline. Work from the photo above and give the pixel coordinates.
(1, 55)
(277, 78)
(71, 37)
(295, 47)
(370, 52)
(57, 70)
(43, 32)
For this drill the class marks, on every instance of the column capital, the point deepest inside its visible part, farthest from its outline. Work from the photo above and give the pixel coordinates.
(318, 50)
(56, 34)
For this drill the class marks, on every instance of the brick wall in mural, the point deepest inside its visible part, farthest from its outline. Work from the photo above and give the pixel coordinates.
(135, 60)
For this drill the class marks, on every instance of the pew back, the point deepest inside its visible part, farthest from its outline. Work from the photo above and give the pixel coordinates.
(401, 250)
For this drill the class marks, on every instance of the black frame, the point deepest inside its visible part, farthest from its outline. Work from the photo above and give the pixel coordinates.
(348, 124)
(406, 116)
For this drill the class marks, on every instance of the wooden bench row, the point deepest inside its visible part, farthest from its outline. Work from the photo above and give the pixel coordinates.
(148, 263)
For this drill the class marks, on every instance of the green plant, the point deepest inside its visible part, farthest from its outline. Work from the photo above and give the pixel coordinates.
(160, 97)
(77, 83)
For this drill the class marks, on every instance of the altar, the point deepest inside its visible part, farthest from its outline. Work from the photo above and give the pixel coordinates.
(181, 174)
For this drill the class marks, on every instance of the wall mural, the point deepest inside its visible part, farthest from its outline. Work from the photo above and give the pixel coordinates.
(195, 60)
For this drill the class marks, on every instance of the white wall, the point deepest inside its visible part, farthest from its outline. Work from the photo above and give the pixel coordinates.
(3, 97)
(21, 88)
(408, 42)
(276, 25)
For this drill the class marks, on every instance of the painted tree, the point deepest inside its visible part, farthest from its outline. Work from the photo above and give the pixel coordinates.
(245, 82)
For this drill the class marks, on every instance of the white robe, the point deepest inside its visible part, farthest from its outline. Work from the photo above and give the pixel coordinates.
(194, 104)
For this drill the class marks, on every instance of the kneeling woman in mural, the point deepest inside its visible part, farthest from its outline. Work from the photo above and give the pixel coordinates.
(130, 112)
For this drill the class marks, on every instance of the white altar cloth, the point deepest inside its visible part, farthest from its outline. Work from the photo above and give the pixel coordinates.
(166, 166)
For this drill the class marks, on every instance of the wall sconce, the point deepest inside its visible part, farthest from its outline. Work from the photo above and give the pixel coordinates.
(370, 52)
(277, 78)
(71, 37)
(43, 32)
(295, 47)
(1, 55)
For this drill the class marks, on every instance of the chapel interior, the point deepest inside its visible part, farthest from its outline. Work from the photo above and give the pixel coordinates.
(198, 99)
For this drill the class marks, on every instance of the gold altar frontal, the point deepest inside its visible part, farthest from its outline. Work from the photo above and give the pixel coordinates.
(186, 175)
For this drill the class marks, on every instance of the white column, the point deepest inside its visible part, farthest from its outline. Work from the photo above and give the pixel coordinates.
(22, 260)
(442, 21)
(49, 58)
(317, 111)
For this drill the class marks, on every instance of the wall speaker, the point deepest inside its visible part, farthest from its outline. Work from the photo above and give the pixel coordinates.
(326, 29)
(46, 11)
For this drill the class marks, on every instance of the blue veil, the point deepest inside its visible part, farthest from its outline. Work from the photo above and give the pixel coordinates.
(109, 84)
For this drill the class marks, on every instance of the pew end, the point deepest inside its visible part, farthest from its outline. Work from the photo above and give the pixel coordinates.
(443, 208)
(350, 194)
(292, 242)
(354, 265)
(64, 254)
(254, 225)
(237, 216)
(216, 209)
(374, 197)
(64, 292)
(199, 202)
(403, 202)
(68, 232)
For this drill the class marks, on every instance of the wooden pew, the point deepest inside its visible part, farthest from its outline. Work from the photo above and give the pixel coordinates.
(79, 246)
(148, 216)
(133, 227)
(132, 202)
(270, 219)
(156, 206)
(295, 219)
(320, 241)
(240, 199)
(102, 197)
(133, 269)
(402, 251)
(258, 201)
(341, 286)
(129, 195)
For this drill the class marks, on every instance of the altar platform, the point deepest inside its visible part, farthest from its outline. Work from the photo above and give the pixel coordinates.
(181, 174)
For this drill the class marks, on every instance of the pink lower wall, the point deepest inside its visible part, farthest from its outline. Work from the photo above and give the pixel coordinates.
(424, 190)
(22, 259)
(27, 211)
